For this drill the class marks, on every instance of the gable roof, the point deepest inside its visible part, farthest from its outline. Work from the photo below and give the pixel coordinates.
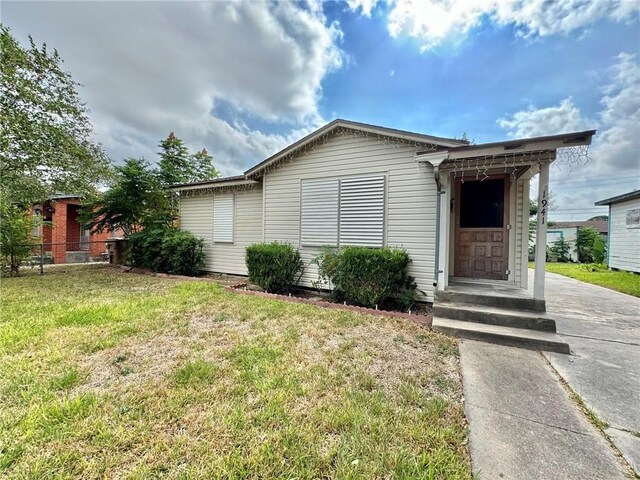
(620, 198)
(361, 127)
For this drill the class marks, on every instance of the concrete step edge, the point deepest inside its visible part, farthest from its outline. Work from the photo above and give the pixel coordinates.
(515, 337)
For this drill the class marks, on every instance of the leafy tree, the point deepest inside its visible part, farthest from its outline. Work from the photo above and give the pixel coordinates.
(136, 201)
(46, 145)
(598, 218)
(177, 165)
(16, 233)
(561, 250)
(204, 169)
(590, 246)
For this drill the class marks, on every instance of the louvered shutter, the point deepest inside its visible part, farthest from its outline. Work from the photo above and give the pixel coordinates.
(223, 218)
(319, 212)
(362, 211)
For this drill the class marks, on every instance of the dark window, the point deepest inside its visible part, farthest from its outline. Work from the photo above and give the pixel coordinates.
(482, 204)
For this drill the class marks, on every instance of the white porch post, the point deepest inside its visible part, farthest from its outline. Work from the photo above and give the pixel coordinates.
(541, 232)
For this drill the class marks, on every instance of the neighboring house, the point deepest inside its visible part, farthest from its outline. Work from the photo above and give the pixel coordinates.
(569, 232)
(623, 244)
(63, 237)
(460, 210)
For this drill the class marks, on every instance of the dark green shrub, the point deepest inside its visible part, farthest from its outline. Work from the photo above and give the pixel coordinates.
(561, 250)
(166, 250)
(275, 267)
(590, 246)
(371, 276)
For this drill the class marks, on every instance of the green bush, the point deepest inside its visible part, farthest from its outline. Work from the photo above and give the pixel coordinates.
(372, 277)
(275, 267)
(166, 250)
(590, 246)
(16, 227)
(561, 251)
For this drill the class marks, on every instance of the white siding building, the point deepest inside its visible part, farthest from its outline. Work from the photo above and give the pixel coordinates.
(459, 210)
(623, 245)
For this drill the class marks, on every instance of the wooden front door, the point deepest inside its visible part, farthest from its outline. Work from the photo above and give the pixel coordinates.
(481, 236)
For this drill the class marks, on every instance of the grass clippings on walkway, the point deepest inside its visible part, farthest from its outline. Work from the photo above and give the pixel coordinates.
(106, 374)
(625, 282)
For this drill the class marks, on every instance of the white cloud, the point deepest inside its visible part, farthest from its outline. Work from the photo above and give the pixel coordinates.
(148, 69)
(433, 22)
(615, 154)
(533, 122)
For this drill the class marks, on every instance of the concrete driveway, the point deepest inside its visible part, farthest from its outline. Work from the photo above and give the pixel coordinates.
(603, 329)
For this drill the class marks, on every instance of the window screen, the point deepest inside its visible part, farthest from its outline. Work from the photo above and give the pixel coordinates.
(319, 212)
(362, 211)
(482, 204)
(223, 218)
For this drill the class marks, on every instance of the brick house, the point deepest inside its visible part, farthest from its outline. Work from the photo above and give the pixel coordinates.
(63, 237)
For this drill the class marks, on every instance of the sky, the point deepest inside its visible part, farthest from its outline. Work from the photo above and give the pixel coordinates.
(246, 79)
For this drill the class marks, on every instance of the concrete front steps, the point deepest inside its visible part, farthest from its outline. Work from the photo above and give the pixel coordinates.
(496, 316)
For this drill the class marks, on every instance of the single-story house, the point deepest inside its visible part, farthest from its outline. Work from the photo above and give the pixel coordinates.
(460, 210)
(623, 241)
(63, 237)
(568, 231)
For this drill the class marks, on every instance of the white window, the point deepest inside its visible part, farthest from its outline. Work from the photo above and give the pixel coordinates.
(362, 211)
(347, 211)
(319, 212)
(223, 218)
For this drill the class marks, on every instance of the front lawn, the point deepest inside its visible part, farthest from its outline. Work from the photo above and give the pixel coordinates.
(106, 374)
(624, 282)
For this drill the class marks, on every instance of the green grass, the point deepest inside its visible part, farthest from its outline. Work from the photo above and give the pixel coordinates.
(106, 374)
(625, 282)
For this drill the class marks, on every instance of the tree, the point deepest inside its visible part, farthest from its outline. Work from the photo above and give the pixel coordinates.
(46, 145)
(203, 166)
(561, 250)
(177, 165)
(590, 246)
(135, 202)
(16, 235)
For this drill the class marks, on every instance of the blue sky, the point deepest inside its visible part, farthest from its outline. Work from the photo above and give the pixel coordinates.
(244, 79)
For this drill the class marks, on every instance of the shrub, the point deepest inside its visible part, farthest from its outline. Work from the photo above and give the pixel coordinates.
(275, 267)
(167, 250)
(561, 250)
(16, 227)
(370, 276)
(590, 246)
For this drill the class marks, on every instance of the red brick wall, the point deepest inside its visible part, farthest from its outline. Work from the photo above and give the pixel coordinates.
(73, 228)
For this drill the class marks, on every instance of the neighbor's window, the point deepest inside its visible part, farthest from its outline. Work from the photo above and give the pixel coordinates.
(223, 213)
(633, 218)
(346, 211)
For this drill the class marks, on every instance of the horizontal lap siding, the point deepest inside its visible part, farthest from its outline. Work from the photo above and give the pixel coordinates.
(196, 216)
(410, 201)
(624, 242)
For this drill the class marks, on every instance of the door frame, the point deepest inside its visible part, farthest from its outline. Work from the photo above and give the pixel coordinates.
(506, 233)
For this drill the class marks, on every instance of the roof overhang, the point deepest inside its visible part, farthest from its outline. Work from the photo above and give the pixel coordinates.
(619, 198)
(357, 126)
(510, 147)
(237, 181)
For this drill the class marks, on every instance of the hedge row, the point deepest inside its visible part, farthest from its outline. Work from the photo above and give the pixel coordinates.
(166, 250)
(369, 277)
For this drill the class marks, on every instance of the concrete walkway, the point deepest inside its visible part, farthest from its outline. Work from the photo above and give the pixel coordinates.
(603, 329)
(523, 423)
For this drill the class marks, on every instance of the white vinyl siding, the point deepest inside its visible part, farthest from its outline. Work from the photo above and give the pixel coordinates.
(319, 212)
(223, 218)
(410, 198)
(624, 238)
(362, 211)
(196, 216)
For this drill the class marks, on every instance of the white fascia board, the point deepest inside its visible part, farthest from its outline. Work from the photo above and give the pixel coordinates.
(435, 158)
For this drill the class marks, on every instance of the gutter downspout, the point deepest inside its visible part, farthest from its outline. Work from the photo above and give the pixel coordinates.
(436, 270)
(435, 159)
